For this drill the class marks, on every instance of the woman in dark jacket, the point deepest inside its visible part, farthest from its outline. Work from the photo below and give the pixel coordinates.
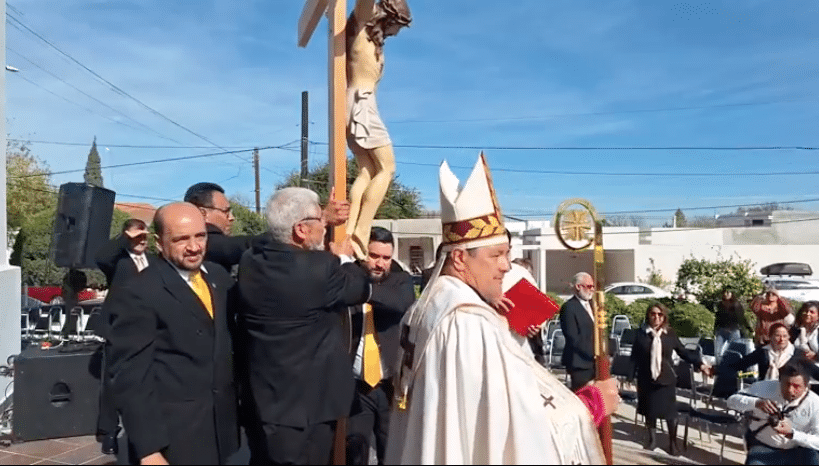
(778, 352)
(656, 379)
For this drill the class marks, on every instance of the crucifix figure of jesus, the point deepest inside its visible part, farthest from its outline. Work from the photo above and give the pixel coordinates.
(362, 51)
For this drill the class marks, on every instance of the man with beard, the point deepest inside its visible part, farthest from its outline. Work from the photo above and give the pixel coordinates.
(375, 338)
(171, 351)
(293, 292)
(577, 323)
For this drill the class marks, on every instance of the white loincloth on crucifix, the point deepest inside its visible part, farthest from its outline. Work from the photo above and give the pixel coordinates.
(363, 40)
(467, 392)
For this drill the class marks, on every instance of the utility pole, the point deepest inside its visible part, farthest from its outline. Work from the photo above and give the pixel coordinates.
(305, 123)
(256, 171)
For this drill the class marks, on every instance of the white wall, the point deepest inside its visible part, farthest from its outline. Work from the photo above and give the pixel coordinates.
(9, 276)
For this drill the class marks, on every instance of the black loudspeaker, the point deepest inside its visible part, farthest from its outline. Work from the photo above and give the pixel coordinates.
(82, 225)
(56, 394)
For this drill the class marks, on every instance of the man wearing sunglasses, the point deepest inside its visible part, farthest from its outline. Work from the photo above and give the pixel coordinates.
(577, 323)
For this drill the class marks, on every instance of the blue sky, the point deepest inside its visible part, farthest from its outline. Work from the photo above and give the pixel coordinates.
(530, 73)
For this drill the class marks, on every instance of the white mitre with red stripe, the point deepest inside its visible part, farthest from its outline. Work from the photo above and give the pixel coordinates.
(470, 216)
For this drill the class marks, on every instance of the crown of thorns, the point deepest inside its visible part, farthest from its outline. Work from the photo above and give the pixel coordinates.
(399, 10)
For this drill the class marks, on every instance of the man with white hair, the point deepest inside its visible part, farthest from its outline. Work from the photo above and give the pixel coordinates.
(466, 391)
(577, 323)
(298, 372)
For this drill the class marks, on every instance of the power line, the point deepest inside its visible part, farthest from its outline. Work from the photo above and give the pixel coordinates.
(613, 112)
(90, 96)
(135, 196)
(146, 162)
(74, 103)
(590, 173)
(593, 173)
(653, 230)
(113, 86)
(123, 146)
(623, 212)
(613, 148)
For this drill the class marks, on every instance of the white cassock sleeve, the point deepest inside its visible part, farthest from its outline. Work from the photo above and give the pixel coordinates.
(477, 398)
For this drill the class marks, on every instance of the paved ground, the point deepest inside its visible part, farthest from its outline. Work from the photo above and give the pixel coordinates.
(75, 450)
(627, 445)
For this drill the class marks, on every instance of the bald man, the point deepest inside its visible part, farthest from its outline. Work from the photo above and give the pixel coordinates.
(171, 350)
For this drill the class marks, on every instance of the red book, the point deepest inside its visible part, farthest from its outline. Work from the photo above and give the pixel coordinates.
(531, 307)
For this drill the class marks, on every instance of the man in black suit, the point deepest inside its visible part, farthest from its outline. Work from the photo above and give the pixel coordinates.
(171, 351)
(577, 323)
(225, 249)
(293, 293)
(124, 256)
(375, 340)
(121, 259)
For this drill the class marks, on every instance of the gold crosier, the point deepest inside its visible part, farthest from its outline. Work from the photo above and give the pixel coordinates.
(578, 227)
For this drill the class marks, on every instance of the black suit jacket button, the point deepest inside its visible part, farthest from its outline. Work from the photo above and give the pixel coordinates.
(215, 391)
(199, 333)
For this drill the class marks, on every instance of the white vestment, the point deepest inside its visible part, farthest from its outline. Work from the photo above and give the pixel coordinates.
(475, 396)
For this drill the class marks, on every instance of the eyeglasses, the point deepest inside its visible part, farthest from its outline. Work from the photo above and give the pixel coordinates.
(657, 314)
(306, 219)
(227, 210)
(588, 287)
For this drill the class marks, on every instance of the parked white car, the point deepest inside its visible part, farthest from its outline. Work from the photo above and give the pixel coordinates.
(632, 291)
(793, 280)
(795, 288)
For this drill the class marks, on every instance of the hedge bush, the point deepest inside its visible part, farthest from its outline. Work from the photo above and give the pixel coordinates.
(691, 320)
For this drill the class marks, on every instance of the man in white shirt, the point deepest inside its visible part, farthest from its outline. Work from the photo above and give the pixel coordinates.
(785, 418)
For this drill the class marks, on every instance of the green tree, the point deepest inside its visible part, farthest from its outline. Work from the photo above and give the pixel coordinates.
(247, 222)
(679, 218)
(705, 279)
(93, 168)
(32, 250)
(28, 186)
(400, 202)
(655, 277)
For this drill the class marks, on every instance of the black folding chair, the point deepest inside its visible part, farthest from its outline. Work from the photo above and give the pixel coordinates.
(726, 383)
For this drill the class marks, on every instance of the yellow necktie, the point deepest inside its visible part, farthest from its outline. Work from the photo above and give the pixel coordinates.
(202, 290)
(371, 354)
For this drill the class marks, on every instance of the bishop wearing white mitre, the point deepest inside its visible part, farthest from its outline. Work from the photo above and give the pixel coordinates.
(467, 392)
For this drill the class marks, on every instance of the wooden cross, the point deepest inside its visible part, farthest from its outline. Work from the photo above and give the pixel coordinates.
(336, 11)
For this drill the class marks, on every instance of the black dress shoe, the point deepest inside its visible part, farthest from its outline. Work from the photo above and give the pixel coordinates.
(110, 446)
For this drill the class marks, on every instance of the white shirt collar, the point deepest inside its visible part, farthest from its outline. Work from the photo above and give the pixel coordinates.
(186, 274)
(134, 256)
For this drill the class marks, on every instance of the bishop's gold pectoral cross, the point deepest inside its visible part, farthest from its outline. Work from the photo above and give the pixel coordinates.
(336, 11)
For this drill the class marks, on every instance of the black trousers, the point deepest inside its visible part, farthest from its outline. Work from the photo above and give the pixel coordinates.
(108, 419)
(295, 445)
(579, 378)
(370, 416)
